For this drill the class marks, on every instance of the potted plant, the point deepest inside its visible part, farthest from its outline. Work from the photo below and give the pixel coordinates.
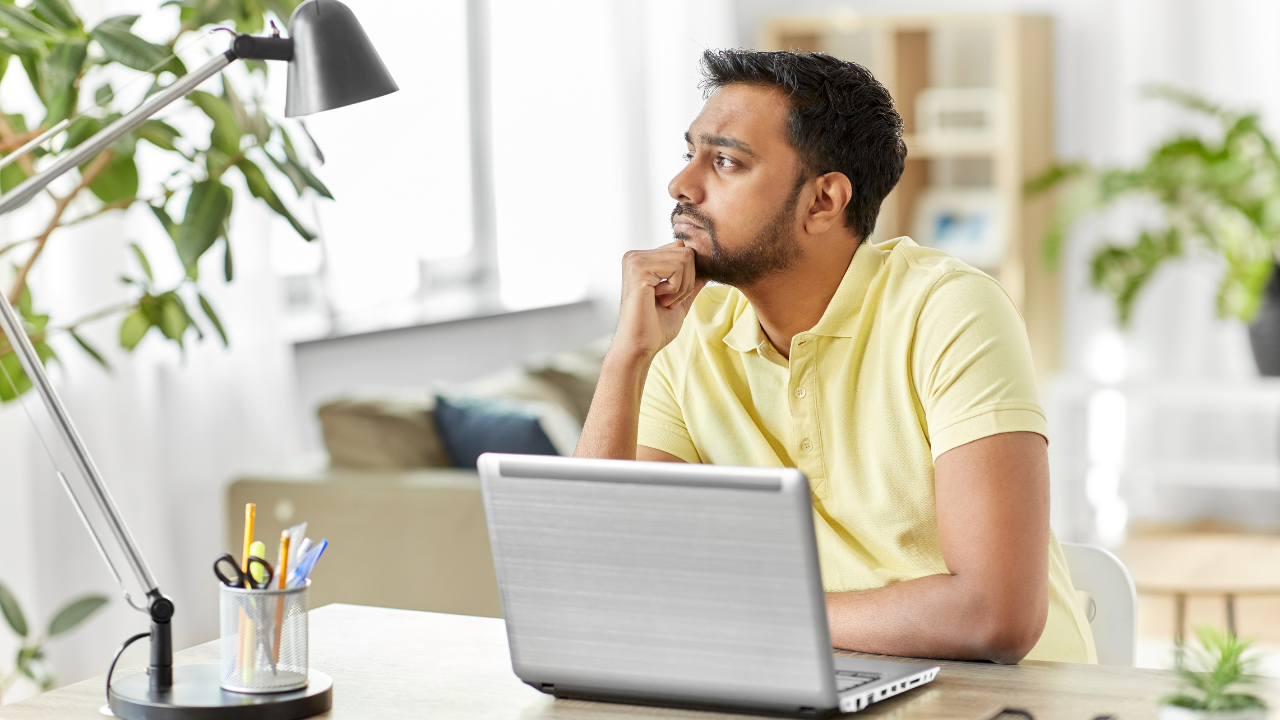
(1219, 194)
(30, 662)
(76, 70)
(1210, 673)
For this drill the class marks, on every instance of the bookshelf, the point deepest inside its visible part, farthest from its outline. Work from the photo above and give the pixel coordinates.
(976, 97)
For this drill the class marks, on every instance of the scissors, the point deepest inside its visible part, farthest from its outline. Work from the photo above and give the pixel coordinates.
(241, 578)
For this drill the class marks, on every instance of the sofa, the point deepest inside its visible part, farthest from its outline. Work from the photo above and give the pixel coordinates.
(406, 526)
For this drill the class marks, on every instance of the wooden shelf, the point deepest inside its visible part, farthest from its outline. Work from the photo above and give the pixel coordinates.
(1012, 54)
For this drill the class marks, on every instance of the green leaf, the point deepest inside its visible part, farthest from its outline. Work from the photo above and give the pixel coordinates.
(228, 268)
(207, 210)
(300, 176)
(159, 133)
(59, 13)
(173, 318)
(11, 176)
(14, 380)
(170, 227)
(81, 129)
(8, 603)
(21, 48)
(213, 317)
(59, 75)
(92, 352)
(261, 188)
(119, 44)
(226, 131)
(25, 26)
(133, 329)
(118, 181)
(142, 261)
(74, 613)
(103, 96)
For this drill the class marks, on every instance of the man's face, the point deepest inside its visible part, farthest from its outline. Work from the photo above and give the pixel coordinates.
(737, 197)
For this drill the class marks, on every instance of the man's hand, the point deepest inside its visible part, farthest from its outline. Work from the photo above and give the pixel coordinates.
(658, 288)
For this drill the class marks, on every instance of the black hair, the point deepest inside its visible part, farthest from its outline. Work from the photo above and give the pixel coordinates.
(841, 120)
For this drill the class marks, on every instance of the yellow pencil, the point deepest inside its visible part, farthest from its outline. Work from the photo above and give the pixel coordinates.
(245, 654)
(282, 572)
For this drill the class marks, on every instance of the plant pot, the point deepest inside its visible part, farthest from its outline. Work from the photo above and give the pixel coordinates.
(1173, 712)
(1264, 331)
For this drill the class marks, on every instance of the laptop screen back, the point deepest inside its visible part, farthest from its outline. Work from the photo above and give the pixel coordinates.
(660, 580)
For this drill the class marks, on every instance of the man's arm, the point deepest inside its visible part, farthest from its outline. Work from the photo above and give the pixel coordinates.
(992, 498)
(658, 288)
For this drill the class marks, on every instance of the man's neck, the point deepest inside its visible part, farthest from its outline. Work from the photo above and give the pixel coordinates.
(794, 300)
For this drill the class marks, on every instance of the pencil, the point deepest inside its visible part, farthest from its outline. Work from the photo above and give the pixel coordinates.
(246, 643)
(282, 567)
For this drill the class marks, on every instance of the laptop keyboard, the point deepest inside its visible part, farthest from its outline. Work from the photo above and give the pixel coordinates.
(848, 679)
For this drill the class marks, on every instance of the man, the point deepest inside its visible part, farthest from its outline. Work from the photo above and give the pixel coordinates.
(897, 378)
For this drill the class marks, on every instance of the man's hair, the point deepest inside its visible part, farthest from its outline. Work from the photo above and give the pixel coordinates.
(841, 120)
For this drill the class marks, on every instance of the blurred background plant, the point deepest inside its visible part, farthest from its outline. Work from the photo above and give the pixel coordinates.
(1211, 671)
(30, 661)
(70, 67)
(1221, 194)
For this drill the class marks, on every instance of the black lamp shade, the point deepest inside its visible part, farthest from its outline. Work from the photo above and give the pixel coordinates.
(334, 64)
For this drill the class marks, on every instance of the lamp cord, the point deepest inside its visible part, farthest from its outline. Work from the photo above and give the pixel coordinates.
(115, 660)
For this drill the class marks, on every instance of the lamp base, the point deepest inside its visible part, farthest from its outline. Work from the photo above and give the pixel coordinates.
(197, 695)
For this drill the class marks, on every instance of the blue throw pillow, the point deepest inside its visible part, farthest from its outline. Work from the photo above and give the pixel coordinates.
(469, 429)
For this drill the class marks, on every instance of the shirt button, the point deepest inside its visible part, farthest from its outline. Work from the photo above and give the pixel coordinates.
(806, 446)
(800, 392)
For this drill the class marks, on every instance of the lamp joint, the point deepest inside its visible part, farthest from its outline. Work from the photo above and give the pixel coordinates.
(252, 47)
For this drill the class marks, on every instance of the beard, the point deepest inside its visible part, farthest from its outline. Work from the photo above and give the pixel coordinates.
(773, 250)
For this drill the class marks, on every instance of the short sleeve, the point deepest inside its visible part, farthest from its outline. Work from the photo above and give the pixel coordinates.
(662, 424)
(971, 364)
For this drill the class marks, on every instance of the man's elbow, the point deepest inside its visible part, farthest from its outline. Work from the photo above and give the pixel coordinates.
(1007, 631)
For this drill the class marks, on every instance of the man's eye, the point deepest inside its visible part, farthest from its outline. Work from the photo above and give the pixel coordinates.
(688, 157)
(725, 162)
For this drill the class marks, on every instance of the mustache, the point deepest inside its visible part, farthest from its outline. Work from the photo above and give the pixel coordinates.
(690, 211)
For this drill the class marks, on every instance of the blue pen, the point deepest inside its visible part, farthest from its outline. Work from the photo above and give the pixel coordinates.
(306, 564)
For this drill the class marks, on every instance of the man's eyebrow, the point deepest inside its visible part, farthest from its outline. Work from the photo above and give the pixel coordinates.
(721, 141)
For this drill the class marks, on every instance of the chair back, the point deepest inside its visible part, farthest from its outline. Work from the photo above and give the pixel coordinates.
(1110, 601)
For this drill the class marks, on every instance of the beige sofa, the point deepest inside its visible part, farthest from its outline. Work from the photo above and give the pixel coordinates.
(412, 539)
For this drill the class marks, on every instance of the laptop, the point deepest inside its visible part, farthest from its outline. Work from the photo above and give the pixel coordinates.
(671, 584)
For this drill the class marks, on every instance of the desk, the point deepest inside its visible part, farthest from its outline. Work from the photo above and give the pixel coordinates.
(1229, 566)
(407, 664)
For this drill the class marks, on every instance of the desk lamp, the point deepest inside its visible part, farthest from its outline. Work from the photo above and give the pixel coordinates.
(331, 64)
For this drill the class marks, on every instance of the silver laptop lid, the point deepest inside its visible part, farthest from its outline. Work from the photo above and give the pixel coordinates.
(660, 580)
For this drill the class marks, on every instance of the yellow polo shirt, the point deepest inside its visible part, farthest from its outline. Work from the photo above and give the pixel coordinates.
(917, 353)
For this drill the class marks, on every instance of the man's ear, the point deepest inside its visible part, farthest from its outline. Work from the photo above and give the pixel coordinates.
(831, 193)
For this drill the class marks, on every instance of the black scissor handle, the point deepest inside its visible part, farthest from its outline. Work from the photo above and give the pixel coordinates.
(267, 573)
(238, 577)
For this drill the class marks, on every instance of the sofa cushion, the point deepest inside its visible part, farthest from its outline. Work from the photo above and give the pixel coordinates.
(470, 427)
(382, 434)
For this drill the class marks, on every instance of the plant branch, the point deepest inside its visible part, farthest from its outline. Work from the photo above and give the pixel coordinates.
(95, 167)
(7, 135)
(6, 348)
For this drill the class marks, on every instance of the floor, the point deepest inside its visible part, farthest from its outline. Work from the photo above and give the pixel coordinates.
(1164, 554)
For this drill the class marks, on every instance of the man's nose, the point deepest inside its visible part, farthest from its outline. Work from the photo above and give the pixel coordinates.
(686, 187)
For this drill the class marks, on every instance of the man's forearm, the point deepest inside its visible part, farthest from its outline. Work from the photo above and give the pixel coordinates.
(938, 616)
(614, 419)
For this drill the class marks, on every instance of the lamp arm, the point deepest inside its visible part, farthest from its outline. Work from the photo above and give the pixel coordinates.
(83, 152)
(159, 607)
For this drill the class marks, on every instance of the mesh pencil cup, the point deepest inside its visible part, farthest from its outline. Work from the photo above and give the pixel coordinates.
(264, 639)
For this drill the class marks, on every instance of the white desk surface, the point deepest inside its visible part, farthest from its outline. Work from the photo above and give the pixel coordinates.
(406, 664)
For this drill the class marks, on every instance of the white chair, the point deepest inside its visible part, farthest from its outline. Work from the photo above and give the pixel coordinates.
(1110, 602)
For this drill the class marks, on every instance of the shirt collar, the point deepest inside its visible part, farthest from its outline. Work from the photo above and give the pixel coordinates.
(840, 317)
